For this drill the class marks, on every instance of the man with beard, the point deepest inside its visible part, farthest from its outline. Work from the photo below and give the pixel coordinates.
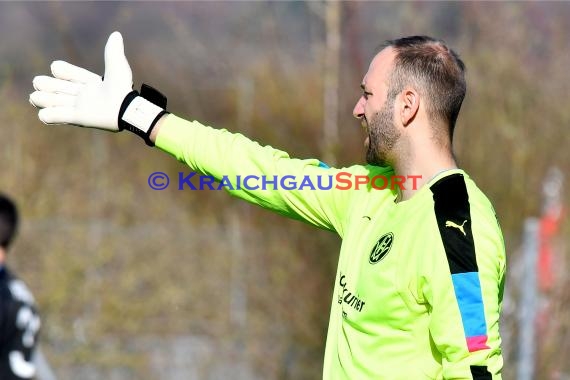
(420, 275)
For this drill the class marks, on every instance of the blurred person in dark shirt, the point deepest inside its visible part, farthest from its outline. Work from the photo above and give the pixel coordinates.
(19, 319)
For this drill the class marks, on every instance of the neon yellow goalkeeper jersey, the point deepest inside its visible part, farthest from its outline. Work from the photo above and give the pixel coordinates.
(419, 283)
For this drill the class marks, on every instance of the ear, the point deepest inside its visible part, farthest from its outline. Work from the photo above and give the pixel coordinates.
(410, 105)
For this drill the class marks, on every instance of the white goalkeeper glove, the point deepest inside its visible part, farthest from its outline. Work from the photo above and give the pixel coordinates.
(77, 96)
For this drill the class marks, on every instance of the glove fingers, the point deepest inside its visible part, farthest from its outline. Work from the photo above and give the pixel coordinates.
(50, 84)
(67, 71)
(57, 115)
(41, 99)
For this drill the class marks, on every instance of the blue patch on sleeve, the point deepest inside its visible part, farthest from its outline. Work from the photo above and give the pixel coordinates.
(470, 300)
(323, 165)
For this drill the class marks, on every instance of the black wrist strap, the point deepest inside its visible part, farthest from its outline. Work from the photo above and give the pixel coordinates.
(134, 113)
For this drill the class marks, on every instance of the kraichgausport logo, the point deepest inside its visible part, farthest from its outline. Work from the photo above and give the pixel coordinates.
(381, 248)
(252, 182)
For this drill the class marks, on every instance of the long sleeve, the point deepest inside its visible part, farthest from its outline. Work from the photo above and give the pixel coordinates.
(300, 189)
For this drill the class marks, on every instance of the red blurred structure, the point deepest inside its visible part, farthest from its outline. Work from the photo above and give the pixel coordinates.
(549, 225)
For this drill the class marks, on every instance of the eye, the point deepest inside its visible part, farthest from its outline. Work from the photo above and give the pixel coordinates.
(366, 94)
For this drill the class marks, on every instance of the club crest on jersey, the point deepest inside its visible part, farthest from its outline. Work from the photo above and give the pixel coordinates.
(381, 248)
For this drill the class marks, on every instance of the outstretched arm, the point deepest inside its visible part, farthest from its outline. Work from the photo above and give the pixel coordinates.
(79, 97)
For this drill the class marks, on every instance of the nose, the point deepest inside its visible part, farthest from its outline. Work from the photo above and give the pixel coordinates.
(358, 111)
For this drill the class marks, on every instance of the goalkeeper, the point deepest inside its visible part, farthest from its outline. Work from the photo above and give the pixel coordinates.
(419, 284)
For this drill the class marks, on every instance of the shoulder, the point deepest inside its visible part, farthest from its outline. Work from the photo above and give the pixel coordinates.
(458, 194)
(15, 288)
(466, 221)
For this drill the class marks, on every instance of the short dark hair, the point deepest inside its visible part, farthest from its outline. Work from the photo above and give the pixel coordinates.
(8, 221)
(435, 69)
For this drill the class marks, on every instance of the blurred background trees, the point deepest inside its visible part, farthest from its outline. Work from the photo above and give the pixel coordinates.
(136, 283)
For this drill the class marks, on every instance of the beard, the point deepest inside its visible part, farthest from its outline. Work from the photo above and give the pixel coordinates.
(382, 136)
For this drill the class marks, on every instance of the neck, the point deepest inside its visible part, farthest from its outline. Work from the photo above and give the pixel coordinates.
(424, 161)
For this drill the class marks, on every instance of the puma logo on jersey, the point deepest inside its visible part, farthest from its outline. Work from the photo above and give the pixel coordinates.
(449, 223)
